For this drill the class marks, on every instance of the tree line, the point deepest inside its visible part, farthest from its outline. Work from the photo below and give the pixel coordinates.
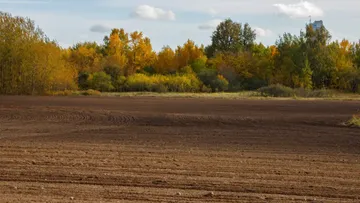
(31, 63)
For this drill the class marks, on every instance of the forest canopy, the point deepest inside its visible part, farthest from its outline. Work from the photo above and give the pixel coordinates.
(31, 63)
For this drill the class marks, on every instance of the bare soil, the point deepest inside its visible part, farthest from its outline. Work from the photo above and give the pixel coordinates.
(87, 149)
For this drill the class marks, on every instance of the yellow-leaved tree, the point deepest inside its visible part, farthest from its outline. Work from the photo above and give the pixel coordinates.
(188, 54)
(86, 57)
(141, 54)
(117, 49)
(165, 62)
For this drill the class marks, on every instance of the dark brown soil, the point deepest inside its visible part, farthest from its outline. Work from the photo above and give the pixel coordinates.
(85, 149)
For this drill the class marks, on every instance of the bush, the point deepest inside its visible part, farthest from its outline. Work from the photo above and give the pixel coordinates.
(100, 81)
(220, 84)
(210, 78)
(184, 83)
(119, 84)
(277, 91)
(91, 92)
(162, 83)
(253, 83)
(83, 80)
(206, 89)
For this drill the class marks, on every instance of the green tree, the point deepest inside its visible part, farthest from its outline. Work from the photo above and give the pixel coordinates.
(318, 54)
(232, 37)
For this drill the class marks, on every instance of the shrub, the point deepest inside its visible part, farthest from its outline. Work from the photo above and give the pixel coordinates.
(221, 84)
(83, 80)
(91, 92)
(119, 84)
(138, 82)
(162, 88)
(276, 91)
(253, 83)
(162, 83)
(210, 78)
(206, 89)
(100, 81)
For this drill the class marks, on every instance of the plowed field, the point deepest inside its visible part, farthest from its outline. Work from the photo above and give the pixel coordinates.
(85, 149)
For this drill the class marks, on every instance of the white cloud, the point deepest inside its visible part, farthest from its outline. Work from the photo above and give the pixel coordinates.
(261, 32)
(152, 13)
(210, 25)
(303, 9)
(100, 28)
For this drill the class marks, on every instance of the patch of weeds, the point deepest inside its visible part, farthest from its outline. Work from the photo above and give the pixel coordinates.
(354, 121)
(91, 92)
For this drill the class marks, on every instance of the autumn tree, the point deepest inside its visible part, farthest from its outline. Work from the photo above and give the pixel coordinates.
(29, 62)
(117, 49)
(344, 73)
(165, 61)
(86, 57)
(188, 53)
(141, 54)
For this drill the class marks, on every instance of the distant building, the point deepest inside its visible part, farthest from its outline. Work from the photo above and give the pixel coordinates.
(317, 25)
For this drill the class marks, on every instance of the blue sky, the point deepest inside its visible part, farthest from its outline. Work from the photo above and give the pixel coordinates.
(169, 22)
